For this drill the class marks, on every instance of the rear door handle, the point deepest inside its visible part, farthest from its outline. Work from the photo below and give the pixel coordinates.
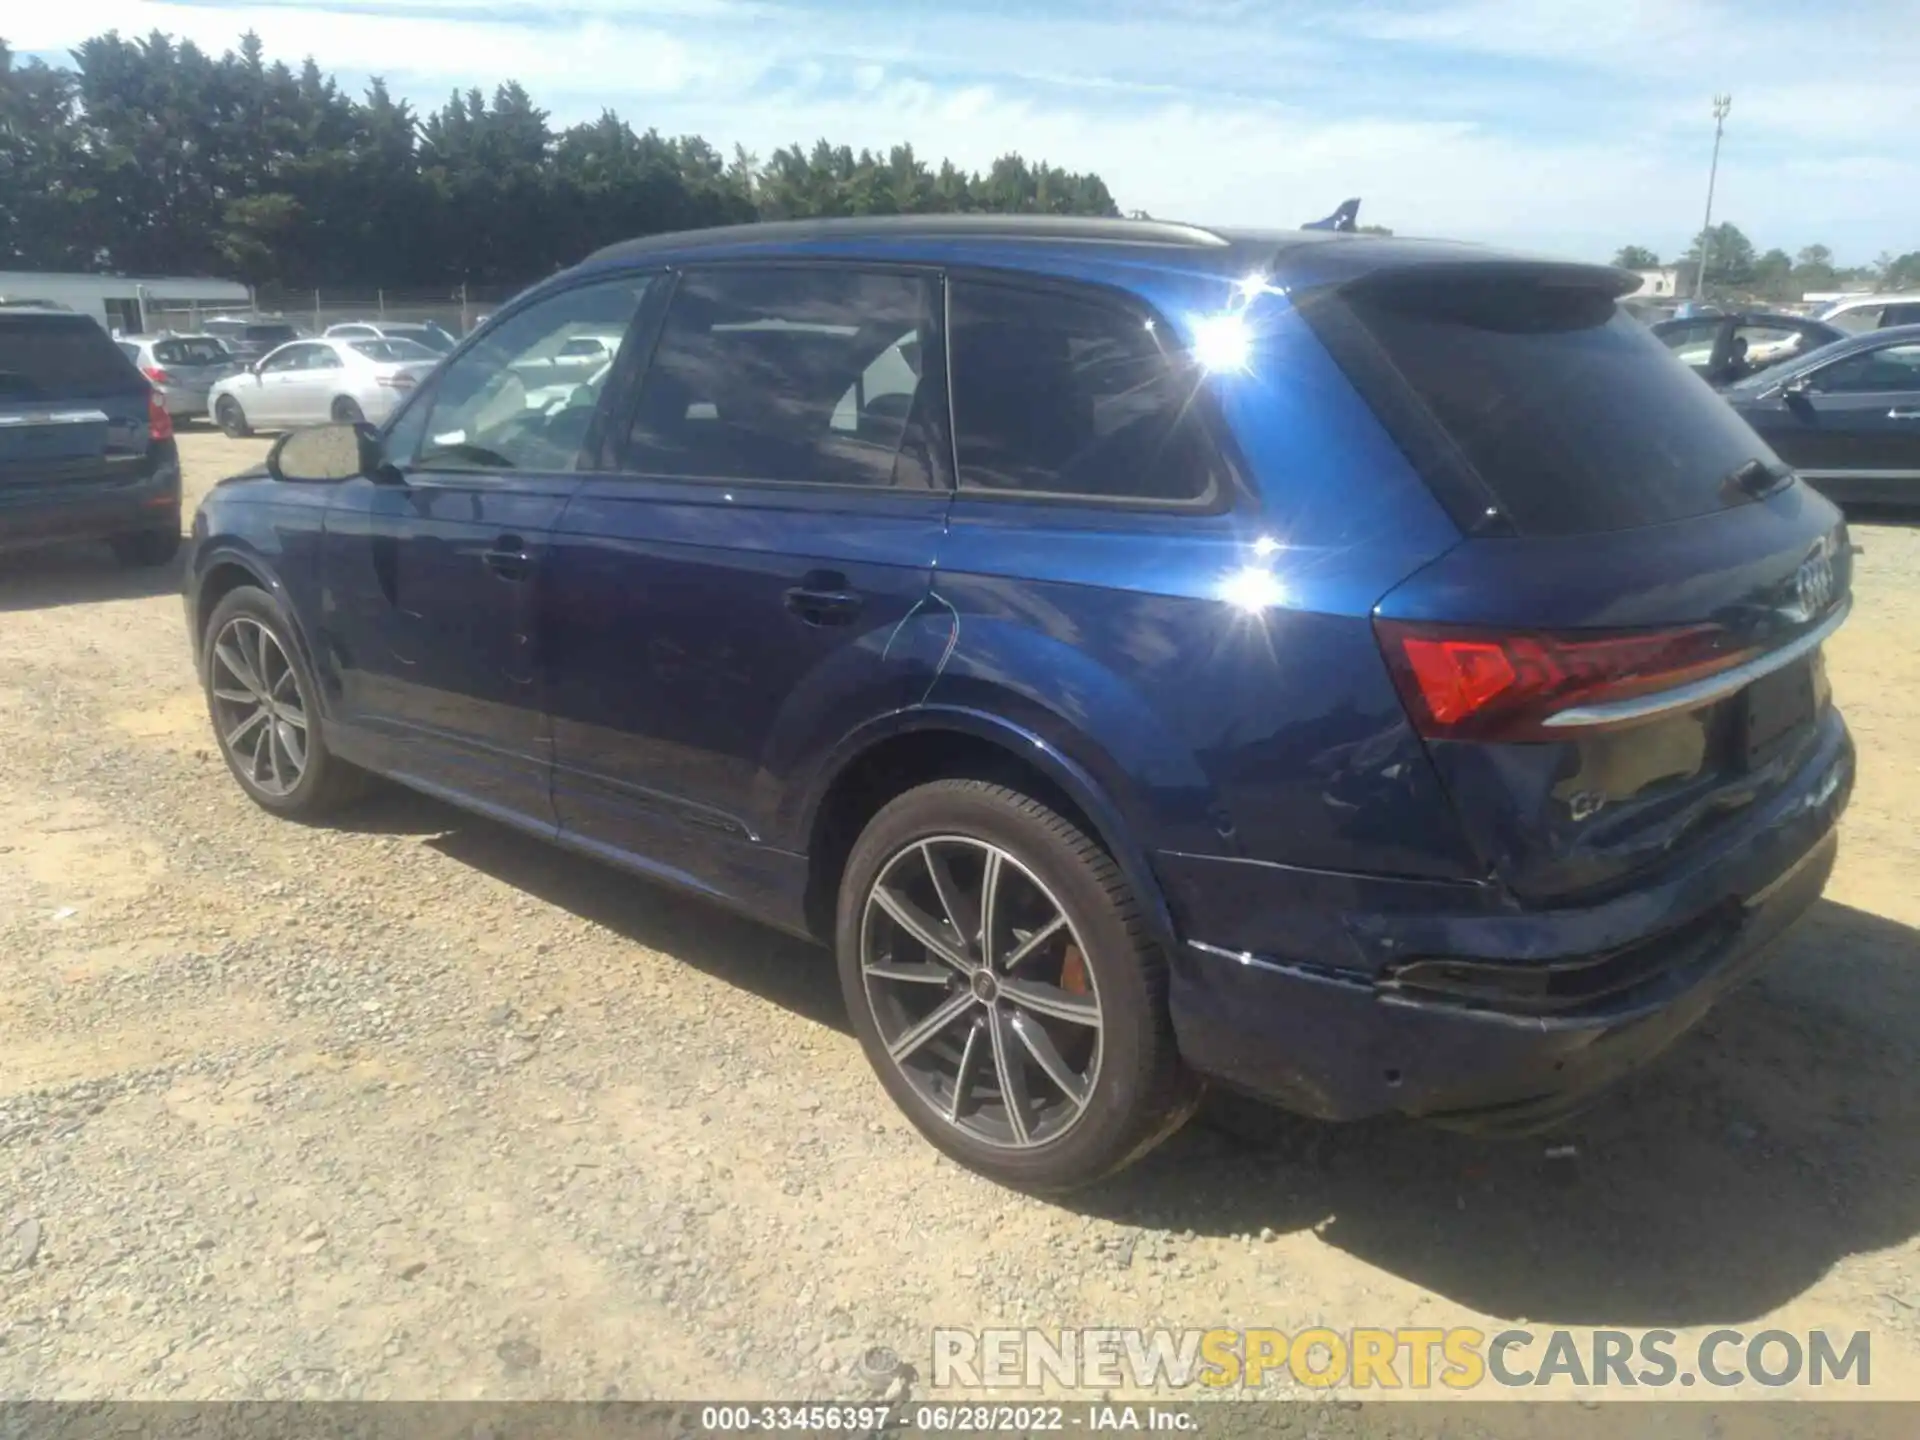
(509, 558)
(824, 598)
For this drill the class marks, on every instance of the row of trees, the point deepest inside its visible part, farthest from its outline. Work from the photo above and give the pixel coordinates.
(151, 157)
(1734, 267)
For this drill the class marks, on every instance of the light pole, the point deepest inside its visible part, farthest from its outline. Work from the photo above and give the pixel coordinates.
(1721, 105)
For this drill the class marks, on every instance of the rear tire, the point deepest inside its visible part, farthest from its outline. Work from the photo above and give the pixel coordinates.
(228, 415)
(1059, 1067)
(148, 549)
(265, 710)
(347, 411)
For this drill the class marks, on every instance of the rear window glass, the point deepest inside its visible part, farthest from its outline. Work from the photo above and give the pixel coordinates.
(1568, 412)
(190, 352)
(423, 335)
(391, 350)
(765, 375)
(54, 357)
(1063, 394)
(272, 334)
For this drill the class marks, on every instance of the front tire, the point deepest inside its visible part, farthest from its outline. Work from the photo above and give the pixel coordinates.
(1005, 987)
(228, 415)
(263, 702)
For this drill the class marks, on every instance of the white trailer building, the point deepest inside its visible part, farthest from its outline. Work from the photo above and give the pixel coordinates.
(128, 304)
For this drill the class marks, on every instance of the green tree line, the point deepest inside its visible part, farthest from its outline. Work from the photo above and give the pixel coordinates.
(1734, 267)
(147, 156)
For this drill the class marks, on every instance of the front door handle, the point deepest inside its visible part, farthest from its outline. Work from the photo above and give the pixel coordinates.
(824, 598)
(509, 558)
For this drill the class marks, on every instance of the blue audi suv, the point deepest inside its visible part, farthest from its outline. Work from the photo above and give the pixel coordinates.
(1369, 674)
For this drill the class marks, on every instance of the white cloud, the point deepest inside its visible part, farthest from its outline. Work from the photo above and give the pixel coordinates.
(1563, 126)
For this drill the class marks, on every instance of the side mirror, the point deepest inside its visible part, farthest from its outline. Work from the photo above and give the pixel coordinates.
(330, 454)
(1798, 388)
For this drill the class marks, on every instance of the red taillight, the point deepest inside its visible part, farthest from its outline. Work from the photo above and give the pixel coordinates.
(159, 422)
(1463, 683)
(156, 374)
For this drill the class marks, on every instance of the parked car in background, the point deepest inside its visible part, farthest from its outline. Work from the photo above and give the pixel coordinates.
(1722, 349)
(181, 369)
(249, 339)
(1371, 673)
(1846, 417)
(1858, 313)
(312, 381)
(429, 334)
(86, 447)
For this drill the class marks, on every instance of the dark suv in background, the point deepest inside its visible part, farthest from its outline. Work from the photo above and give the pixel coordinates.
(86, 446)
(1373, 674)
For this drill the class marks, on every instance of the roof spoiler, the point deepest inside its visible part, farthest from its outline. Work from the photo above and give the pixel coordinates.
(1344, 220)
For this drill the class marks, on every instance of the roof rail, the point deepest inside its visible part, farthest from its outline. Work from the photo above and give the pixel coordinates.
(971, 226)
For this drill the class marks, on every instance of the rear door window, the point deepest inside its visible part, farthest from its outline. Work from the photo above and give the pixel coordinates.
(1890, 370)
(1543, 393)
(759, 374)
(1067, 394)
(56, 357)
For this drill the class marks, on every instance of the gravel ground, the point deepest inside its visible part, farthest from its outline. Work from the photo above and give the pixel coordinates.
(416, 1107)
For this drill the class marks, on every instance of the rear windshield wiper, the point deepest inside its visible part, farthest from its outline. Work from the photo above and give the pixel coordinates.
(1754, 480)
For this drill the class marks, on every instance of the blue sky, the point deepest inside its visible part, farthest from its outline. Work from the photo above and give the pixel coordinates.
(1565, 127)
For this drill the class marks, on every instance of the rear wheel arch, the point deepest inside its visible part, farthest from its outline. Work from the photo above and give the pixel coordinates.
(961, 746)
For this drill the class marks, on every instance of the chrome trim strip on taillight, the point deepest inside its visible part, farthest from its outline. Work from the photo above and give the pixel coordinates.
(1701, 692)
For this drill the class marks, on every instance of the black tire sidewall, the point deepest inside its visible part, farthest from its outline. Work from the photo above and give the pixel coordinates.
(1124, 1116)
(238, 429)
(313, 791)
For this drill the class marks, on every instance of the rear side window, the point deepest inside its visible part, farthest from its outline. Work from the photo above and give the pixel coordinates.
(56, 357)
(1890, 370)
(1061, 394)
(795, 375)
(1568, 414)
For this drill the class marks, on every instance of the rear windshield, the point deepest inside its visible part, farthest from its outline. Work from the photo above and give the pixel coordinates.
(1572, 417)
(190, 352)
(434, 340)
(272, 334)
(393, 351)
(58, 357)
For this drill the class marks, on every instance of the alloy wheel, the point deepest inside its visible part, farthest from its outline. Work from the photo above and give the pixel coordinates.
(257, 707)
(979, 985)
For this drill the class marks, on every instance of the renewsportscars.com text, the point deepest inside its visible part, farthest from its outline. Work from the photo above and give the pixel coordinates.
(1412, 1358)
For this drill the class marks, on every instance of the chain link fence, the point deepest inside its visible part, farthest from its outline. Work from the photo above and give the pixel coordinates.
(456, 311)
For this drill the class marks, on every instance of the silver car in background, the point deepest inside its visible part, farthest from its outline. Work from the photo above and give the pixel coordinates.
(182, 368)
(427, 334)
(310, 382)
(250, 338)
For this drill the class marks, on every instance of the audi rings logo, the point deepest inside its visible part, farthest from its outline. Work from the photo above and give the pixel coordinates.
(1813, 583)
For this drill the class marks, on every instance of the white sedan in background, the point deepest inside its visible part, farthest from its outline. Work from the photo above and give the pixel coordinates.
(310, 382)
